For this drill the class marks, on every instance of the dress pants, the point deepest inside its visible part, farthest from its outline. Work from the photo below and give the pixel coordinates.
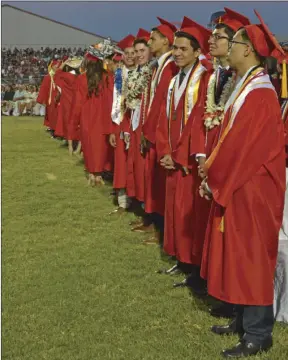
(255, 321)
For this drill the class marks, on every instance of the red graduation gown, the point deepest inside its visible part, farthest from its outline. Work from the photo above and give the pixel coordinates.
(50, 119)
(247, 178)
(94, 116)
(73, 124)
(135, 160)
(120, 155)
(67, 82)
(154, 174)
(179, 238)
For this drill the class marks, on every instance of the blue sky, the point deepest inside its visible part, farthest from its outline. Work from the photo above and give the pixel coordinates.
(117, 19)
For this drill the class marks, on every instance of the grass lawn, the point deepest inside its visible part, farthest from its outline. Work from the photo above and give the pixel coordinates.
(76, 283)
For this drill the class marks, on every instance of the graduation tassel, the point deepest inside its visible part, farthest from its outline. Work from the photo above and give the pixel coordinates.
(221, 226)
(284, 94)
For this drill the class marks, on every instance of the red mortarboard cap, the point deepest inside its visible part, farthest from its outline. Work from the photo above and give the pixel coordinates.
(126, 42)
(233, 19)
(265, 44)
(56, 62)
(65, 57)
(91, 57)
(167, 29)
(263, 40)
(118, 57)
(143, 34)
(199, 32)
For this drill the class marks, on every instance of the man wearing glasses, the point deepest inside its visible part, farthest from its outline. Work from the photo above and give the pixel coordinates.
(220, 86)
(245, 179)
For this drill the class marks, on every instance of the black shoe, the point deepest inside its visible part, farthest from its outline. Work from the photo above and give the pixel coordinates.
(197, 285)
(180, 284)
(224, 310)
(230, 329)
(175, 270)
(246, 348)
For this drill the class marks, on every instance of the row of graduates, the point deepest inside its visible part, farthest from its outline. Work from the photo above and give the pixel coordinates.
(201, 147)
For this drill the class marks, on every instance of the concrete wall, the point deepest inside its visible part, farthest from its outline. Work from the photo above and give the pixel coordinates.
(22, 30)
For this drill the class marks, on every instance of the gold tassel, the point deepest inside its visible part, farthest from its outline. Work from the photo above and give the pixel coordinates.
(221, 226)
(105, 67)
(220, 20)
(284, 94)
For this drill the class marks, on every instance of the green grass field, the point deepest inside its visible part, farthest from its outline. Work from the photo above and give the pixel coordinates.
(76, 283)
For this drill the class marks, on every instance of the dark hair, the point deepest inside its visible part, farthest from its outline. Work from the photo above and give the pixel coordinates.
(94, 75)
(194, 42)
(158, 32)
(245, 37)
(69, 68)
(140, 41)
(230, 32)
(271, 65)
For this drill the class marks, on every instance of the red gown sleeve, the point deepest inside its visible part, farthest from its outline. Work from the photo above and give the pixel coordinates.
(44, 90)
(255, 139)
(162, 137)
(151, 122)
(78, 99)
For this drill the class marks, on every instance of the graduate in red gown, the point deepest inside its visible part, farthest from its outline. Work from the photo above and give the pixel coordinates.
(246, 181)
(160, 43)
(116, 139)
(183, 109)
(92, 110)
(137, 100)
(65, 80)
(47, 95)
(220, 86)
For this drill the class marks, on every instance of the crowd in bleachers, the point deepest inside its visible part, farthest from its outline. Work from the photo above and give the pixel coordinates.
(20, 99)
(22, 66)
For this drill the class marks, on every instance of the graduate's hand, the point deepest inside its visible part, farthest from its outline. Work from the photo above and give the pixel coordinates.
(203, 191)
(201, 172)
(127, 140)
(112, 140)
(167, 162)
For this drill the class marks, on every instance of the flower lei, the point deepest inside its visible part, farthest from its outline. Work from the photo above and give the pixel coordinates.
(136, 83)
(214, 113)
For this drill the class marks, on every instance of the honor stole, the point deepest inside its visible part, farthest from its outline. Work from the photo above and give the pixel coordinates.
(257, 79)
(190, 100)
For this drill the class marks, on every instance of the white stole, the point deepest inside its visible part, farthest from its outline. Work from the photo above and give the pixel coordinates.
(191, 89)
(260, 81)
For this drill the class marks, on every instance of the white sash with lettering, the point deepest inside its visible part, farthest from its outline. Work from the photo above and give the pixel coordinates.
(116, 113)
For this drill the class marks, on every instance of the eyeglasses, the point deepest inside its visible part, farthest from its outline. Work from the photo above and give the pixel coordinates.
(217, 37)
(231, 42)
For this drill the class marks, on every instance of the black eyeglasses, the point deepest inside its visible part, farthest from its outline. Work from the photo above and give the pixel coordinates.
(217, 37)
(231, 42)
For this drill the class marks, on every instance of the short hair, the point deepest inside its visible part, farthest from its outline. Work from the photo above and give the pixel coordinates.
(159, 32)
(194, 42)
(245, 37)
(140, 41)
(230, 32)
